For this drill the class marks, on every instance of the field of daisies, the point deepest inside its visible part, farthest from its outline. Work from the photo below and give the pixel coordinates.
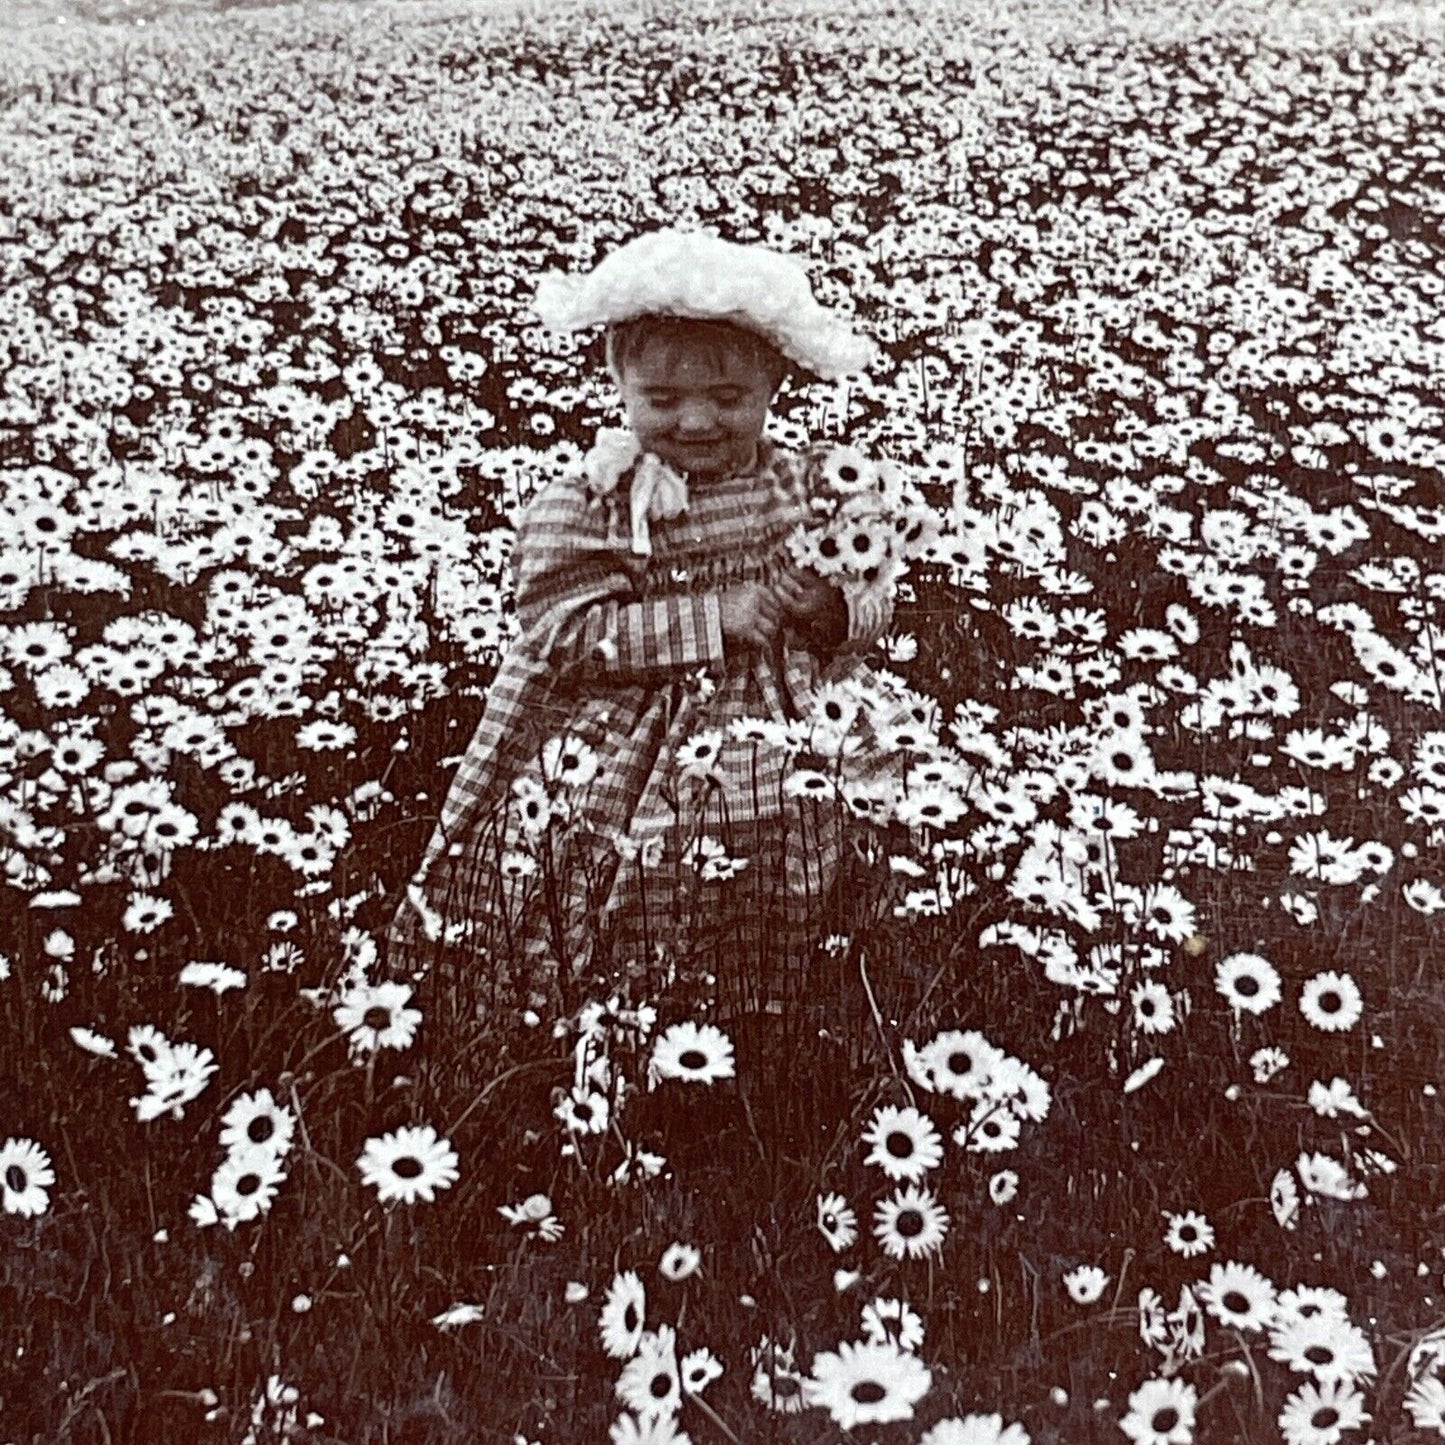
(1120, 1119)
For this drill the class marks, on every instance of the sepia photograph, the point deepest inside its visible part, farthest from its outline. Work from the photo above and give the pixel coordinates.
(722, 722)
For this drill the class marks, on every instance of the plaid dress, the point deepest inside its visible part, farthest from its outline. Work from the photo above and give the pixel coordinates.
(626, 654)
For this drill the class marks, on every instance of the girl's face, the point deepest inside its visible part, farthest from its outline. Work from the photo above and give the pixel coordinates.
(699, 409)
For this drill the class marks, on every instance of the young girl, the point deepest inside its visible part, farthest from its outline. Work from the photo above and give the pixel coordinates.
(625, 786)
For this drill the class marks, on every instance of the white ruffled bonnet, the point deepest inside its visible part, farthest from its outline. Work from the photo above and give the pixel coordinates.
(694, 273)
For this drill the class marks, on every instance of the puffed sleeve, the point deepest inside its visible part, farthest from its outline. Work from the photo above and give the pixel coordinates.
(577, 592)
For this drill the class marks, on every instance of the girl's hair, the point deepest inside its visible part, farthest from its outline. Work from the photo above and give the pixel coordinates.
(627, 340)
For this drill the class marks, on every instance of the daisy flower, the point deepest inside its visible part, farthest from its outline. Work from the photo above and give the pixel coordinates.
(679, 1262)
(699, 1369)
(910, 1224)
(1320, 1174)
(1238, 1296)
(454, 1316)
(149, 1047)
(1022, 1088)
(1284, 1199)
(179, 1076)
(695, 1053)
(958, 1062)
(991, 1129)
(411, 1163)
(777, 1381)
(1268, 1062)
(1319, 1414)
(1325, 1346)
(1426, 1404)
(867, 1384)
(325, 735)
(535, 1209)
(1167, 913)
(1331, 1100)
(1086, 1284)
(696, 757)
(1161, 1412)
(1153, 1319)
(568, 761)
(1312, 1301)
(975, 1430)
(647, 1430)
(25, 1173)
(1248, 983)
(623, 1316)
(583, 1111)
(892, 1319)
(1003, 1188)
(1153, 1008)
(258, 1121)
(837, 1222)
(376, 1016)
(847, 472)
(218, 977)
(1189, 1234)
(93, 1043)
(245, 1184)
(650, 1383)
(905, 1143)
(145, 914)
(1331, 1001)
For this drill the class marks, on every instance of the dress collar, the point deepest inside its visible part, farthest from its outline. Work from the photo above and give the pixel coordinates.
(657, 490)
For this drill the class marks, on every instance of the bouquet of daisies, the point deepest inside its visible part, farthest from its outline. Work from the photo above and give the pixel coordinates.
(869, 522)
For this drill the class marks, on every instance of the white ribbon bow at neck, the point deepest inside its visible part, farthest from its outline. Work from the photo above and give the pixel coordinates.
(657, 490)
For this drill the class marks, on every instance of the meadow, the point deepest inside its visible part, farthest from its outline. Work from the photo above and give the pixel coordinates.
(1118, 1117)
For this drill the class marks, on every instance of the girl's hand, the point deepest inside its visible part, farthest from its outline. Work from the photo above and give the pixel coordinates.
(751, 615)
(812, 604)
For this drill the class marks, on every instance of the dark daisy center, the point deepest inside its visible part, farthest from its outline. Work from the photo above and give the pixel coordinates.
(1235, 1302)
(16, 1179)
(959, 1062)
(1164, 1420)
(1331, 1002)
(1319, 1354)
(629, 1318)
(910, 1224)
(376, 1017)
(692, 1059)
(1325, 1418)
(868, 1392)
(785, 1387)
(1246, 984)
(260, 1129)
(661, 1386)
(407, 1167)
(899, 1145)
(248, 1184)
